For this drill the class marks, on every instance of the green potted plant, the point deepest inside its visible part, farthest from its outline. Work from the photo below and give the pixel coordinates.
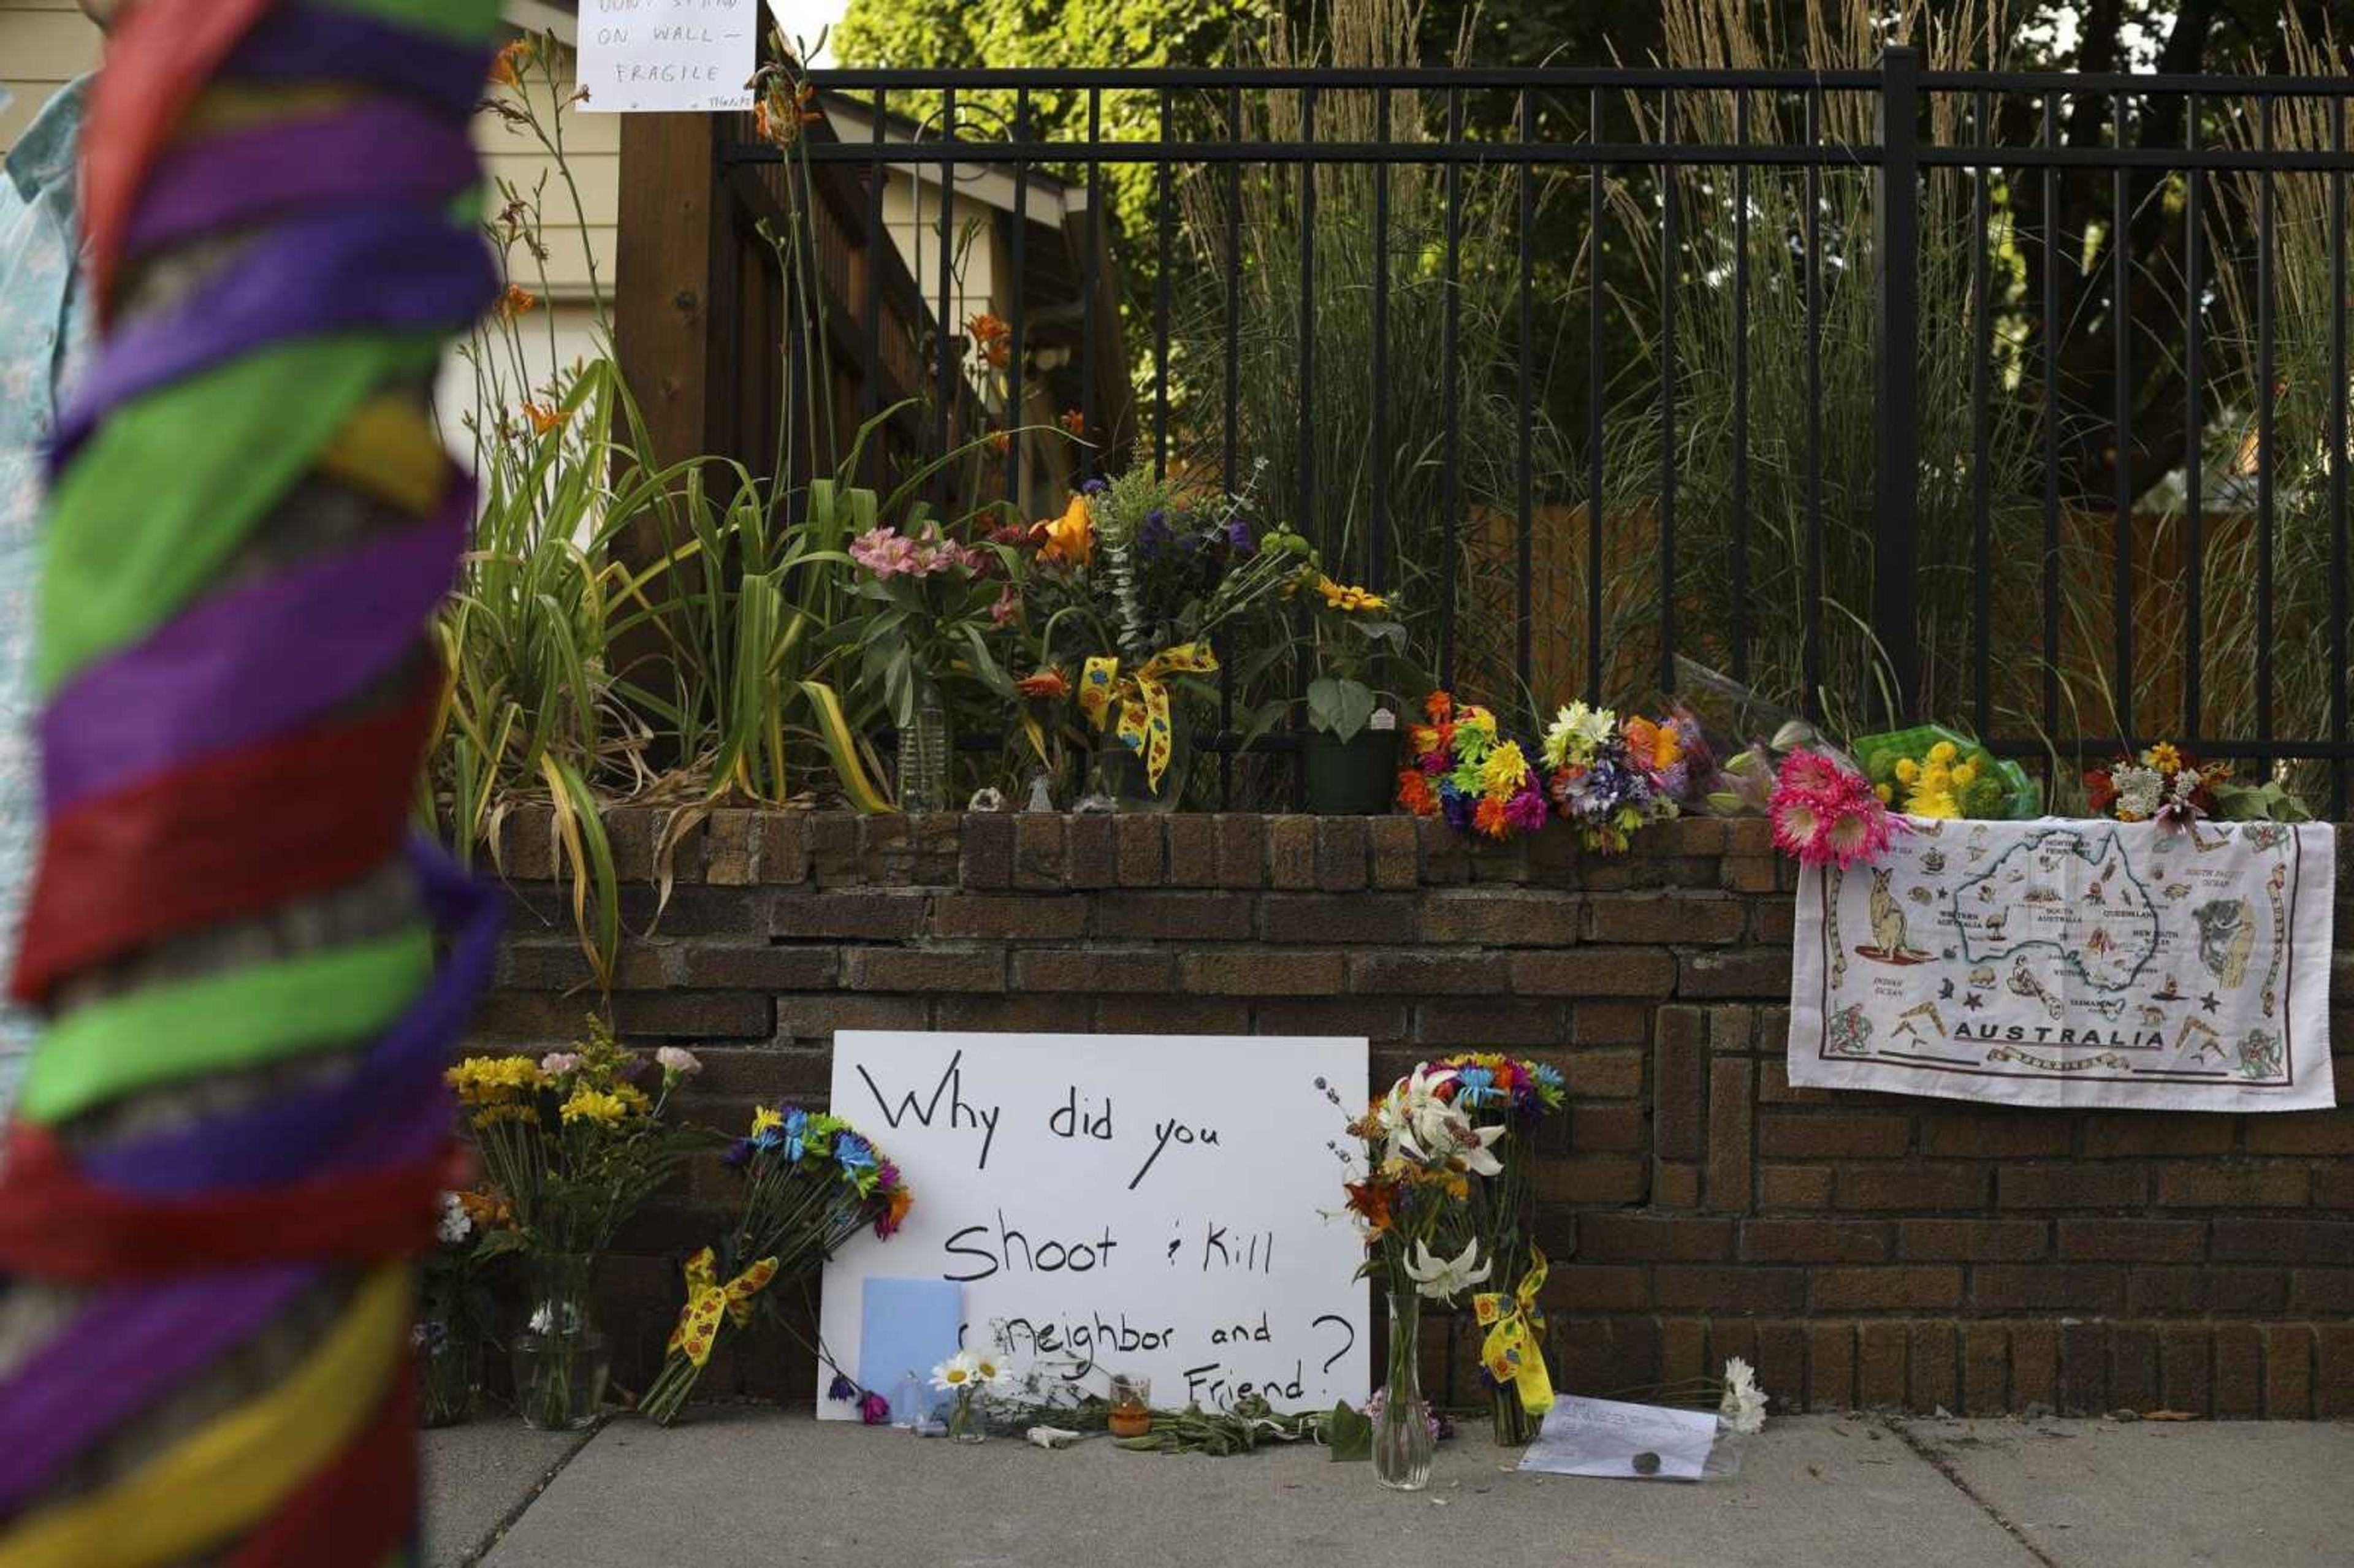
(1351, 740)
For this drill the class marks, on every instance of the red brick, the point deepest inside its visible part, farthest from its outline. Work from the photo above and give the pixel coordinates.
(1613, 1023)
(1606, 1129)
(1730, 1110)
(1591, 1179)
(1192, 852)
(1986, 1369)
(2239, 1374)
(1291, 853)
(2245, 1239)
(1666, 918)
(731, 848)
(2321, 1292)
(1356, 918)
(1009, 917)
(1814, 1241)
(1185, 916)
(1092, 842)
(2013, 1137)
(1595, 971)
(1173, 1015)
(1242, 851)
(1729, 1288)
(1499, 917)
(564, 967)
(1933, 1382)
(693, 1014)
(986, 859)
(1038, 859)
(1919, 1185)
(1241, 972)
(1044, 1014)
(1782, 1365)
(1887, 1288)
(2333, 1383)
(2071, 1186)
(1143, 850)
(1595, 1287)
(2133, 1241)
(1431, 974)
(2333, 1185)
(1397, 851)
(2200, 1292)
(2231, 1186)
(817, 1017)
(1830, 1366)
(2028, 1286)
(1794, 1186)
(2303, 1132)
(1748, 835)
(1603, 1075)
(1675, 1186)
(1736, 1028)
(1749, 873)
(730, 966)
(1776, 923)
(1613, 1238)
(1880, 1363)
(1371, 1017)
(857, 917)
(1804, 1134)
(2289, 1372)
(2183, 1351)
(1484, 1023)
(2083, 1368)
(1095, 969)
(1683, 1350)
(1341, 854)
(924, 969)
(1445, 858)
(2132, 1368)
(2133, 1133)
(1739, 971)
(2034, 1364)
(1972, 1241)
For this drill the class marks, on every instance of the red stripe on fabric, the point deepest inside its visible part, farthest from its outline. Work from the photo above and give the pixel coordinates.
(361, 1506)
(224, 837)
(54, 1225)
(159, 59)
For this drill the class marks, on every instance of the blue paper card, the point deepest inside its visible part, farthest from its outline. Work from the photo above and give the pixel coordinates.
(908, 1325)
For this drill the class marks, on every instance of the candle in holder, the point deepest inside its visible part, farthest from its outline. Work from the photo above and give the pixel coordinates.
(1132, 1404)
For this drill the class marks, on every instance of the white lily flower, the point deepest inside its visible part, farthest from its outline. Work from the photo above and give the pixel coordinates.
(1475, 1155)
(1444, 1278)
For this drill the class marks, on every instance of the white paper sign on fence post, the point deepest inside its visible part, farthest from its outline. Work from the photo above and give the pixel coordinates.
(1135, 1204)
(643, 56)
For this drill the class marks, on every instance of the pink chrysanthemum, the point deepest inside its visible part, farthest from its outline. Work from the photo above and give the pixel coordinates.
(1825, 815)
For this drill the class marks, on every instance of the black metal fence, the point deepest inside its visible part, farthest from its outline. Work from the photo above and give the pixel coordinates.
(1643, 511)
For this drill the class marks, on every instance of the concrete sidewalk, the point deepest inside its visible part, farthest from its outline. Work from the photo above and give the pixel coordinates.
(1813, 1492)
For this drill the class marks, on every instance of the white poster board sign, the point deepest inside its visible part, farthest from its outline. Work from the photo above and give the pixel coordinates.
(643, 56)
(1133, 1204)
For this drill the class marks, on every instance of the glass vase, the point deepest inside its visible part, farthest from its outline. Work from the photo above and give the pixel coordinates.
(446, 1376)
(921, 767)
(965, 1424)
(561, 1357)
(1403, 1444)
(1120, 776)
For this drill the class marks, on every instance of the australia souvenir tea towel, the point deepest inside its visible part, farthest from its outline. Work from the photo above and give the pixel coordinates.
(2068, 962)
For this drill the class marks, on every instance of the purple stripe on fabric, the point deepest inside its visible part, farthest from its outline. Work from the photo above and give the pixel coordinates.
(239, 180)
(305, 43)
(365, 270)
(311, 1129)
(147, 1338)
(249, 664)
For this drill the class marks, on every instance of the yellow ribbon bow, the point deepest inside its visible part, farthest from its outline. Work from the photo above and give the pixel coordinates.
(707, 1299)
(1514, 1351)
(1141, 700)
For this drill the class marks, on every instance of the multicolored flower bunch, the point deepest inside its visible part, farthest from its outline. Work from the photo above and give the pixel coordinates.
(1825, 814)
(1613, 777)
(1461, 769)
(2163, 783)
(812, 1182)
(1493, 1086)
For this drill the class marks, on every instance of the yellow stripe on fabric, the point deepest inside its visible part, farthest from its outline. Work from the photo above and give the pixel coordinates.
(240, 1018)
(233, 1472)
(227, 106)
(166, 491)
(389, 449)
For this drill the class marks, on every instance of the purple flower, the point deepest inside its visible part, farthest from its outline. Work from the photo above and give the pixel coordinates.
(874, 1410)
(1239, 540)
(738, 1152)
(841, 1391)
(1526, 811)
(1154, 538)
(1458, 806)
(1093, 487)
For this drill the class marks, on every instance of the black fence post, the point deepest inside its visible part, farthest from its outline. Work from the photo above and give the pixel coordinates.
(1896, 236)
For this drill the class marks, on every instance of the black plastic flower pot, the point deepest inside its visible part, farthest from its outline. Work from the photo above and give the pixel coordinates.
(1352, 778)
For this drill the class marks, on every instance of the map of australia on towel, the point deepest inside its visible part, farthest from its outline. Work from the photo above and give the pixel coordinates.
(2064, 963)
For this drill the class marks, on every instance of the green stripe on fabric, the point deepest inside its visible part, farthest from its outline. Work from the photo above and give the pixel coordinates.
(466, 20)
(240, 1019)
(169, 487)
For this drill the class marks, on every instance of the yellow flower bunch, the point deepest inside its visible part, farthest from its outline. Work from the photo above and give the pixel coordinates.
(1347, 599)
(1933, 782)
(594, 1105)
(1504, 769)
(494, 1080)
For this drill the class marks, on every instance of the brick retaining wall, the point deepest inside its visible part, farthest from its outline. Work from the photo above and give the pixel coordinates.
(1859, 1248)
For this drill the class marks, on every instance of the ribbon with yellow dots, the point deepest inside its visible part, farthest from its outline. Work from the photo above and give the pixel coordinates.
(1141, 700)
(1514, 1350)
(708, 1301)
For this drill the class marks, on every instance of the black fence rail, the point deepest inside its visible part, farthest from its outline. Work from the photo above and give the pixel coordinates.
(2017, 401)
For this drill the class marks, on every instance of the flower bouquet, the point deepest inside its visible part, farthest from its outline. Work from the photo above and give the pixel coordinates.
(811, 1182)
(1514, 1096)
(1930, 771)
(1827, 814)
(1613, 777)
(1133, 583)
(2162, 784)
(453, 1308)
(1422, 1151)
(964, 1377)
(1462, 769)
(572, 1148)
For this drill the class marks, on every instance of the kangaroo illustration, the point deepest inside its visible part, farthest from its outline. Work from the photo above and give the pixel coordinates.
(1888, 932)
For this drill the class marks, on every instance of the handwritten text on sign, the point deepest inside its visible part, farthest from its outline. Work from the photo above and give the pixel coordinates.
(1135, 1204)
(648, 55)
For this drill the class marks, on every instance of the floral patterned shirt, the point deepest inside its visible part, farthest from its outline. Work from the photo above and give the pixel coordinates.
(43, 336)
